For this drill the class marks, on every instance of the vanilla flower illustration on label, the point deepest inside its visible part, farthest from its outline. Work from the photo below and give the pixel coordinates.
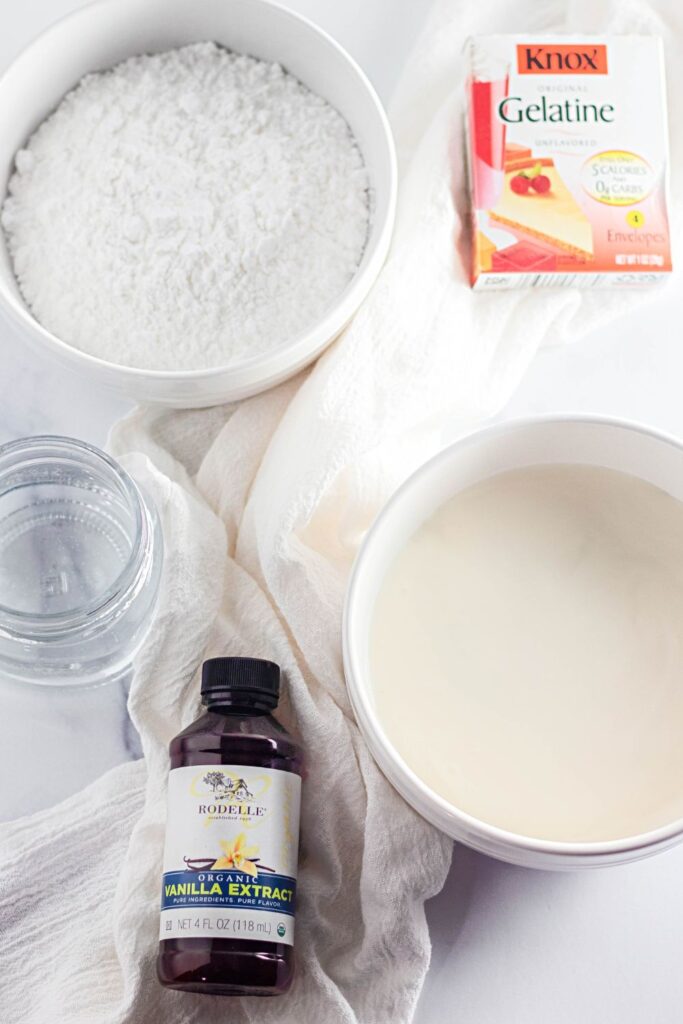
(237, 855)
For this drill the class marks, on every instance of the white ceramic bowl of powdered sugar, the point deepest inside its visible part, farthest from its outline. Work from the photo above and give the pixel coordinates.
(198, 195)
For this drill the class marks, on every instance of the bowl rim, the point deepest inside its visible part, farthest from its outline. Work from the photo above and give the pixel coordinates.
(292, 354)
(468, 826)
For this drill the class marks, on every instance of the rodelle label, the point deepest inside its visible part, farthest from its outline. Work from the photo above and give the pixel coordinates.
(230, 859)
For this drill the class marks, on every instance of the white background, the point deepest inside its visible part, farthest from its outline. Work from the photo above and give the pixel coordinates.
(511, 946)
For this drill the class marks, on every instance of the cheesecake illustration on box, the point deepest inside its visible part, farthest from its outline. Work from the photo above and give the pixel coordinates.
(536, 205)
(568, 161)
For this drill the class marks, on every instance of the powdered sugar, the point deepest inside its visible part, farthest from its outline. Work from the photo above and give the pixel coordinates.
(186, 210)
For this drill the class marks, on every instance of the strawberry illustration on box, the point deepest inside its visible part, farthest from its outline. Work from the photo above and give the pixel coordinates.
(525, 181)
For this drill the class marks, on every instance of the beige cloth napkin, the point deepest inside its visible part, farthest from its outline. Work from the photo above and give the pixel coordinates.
(263, 506)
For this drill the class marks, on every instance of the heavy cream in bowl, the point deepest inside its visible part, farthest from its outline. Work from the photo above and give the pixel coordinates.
(520, 675)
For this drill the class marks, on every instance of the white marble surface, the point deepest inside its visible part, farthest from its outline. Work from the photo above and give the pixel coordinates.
(510, 946)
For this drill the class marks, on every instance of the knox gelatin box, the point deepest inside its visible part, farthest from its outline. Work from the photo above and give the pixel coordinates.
(568, 161)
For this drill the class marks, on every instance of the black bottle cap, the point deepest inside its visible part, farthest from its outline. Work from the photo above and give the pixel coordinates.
(251, 681)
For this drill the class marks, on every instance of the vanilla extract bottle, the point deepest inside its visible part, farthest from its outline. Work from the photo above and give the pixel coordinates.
(232, 833)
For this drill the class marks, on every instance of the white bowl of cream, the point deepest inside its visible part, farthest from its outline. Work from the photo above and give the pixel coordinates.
(513, 641)
(99, 37)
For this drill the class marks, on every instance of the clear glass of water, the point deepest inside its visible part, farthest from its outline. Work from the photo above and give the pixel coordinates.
(80, 563)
